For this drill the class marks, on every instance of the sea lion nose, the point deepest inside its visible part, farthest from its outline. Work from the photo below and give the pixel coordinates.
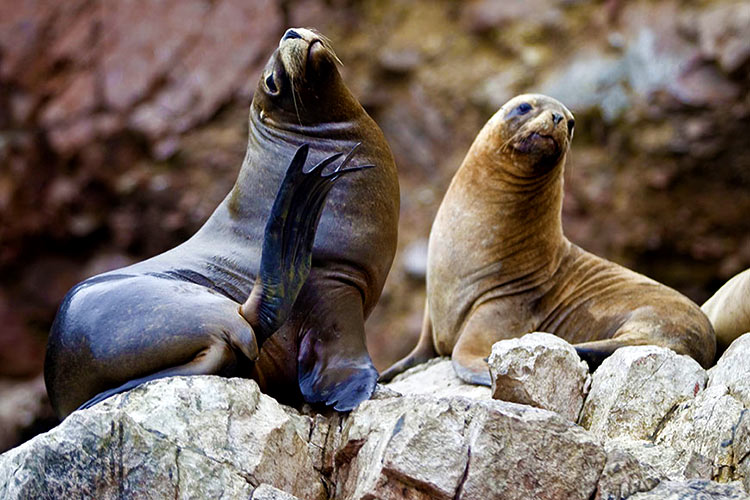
(557, 118)
(290, 34)
(571, 124)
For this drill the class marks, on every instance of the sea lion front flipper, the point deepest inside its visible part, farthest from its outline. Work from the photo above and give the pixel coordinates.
(286, 257)
(422, 352)
(333, 365)
(484, 326)
(471, 365)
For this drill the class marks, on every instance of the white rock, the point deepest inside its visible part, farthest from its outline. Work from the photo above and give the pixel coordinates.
(182, 437)
(210, 437)
(698, 489)
(436, 378)
(542, 370)
(426, 448)
(714, 428)
(414, 259)
(268, 492)
(624, 475)
(636, 387)
(660, 461)
(733, 369)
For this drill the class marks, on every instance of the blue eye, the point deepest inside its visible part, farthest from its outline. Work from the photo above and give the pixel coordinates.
(523, 108)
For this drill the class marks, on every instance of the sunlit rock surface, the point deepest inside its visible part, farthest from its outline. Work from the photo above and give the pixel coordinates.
(426, 435)
(542, 370)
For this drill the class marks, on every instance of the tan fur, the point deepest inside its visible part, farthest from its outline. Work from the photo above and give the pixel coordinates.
(729, 309)
(499, 265)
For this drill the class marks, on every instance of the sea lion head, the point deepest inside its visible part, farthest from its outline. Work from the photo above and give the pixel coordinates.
(301, 86)
(533, 130)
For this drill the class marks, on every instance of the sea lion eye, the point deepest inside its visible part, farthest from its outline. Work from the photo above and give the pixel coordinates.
(270, 84)
(523, 108)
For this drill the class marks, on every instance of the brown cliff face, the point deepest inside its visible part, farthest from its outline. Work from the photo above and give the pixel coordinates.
(121, 128)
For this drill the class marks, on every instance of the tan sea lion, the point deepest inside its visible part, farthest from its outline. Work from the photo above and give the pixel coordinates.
(256, 292)
(729, 310)
(499, 265)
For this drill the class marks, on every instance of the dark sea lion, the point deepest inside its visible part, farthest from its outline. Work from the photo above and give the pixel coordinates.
(256, 292)
(499, 265)
(729, 310)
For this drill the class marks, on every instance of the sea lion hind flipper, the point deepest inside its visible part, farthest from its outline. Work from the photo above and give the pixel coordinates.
(286, 257)
(596, 351)
(422, 352)
(209, 361)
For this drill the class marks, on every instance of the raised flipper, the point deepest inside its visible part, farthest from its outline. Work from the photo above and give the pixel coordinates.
(289, 236)
(424, 351)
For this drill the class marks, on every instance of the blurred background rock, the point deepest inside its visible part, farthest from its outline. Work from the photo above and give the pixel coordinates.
(123, 124)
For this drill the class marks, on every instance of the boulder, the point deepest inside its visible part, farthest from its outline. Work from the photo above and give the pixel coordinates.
(714, 429)
(541, 370)
(624, 475)
(212, 437)
(733, 370)
(658, 461)
(268, 492)
(425, 448)
(181, 437)
(657, 430)
(636, 388)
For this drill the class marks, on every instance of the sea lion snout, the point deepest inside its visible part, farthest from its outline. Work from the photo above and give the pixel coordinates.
(537, 126)
(298, 83)
(290, 34)
(302, 49)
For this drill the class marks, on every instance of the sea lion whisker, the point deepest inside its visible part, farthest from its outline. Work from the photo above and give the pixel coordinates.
(327, 44)
(294, 101)
(512, 139)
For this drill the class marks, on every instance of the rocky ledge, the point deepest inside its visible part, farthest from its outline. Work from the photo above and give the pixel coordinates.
(647, 424)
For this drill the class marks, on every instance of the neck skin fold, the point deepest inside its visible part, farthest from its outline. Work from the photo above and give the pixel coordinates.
(518, 214)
